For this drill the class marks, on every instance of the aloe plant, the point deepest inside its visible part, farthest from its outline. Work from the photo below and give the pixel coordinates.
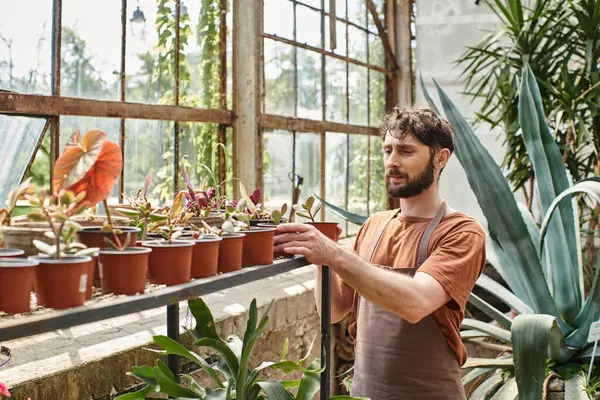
(541, 264)
(231, 376)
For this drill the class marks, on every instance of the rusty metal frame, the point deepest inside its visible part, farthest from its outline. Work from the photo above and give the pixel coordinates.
(270, 121)
(222, 129)
(122, 94)
(55, 77)
(382, 34)
(176, 97)
(31, 104)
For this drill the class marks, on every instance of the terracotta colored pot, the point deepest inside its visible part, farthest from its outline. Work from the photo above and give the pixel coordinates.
(230, 252)
(214, 219)
(279, 254)
(93, 236)
(124, 272)
(258, 247)
(11, 253)
(16, 281)
(205, 257)
(100, 220)
(328, 229)
(170, 264)
(62, 283)
(93, 277)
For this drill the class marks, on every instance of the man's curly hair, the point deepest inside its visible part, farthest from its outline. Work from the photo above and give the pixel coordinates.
(424, 124)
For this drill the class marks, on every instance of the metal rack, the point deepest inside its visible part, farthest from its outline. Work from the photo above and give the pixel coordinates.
(170, 297)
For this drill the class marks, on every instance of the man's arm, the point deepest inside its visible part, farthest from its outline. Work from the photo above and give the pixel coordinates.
(341, 296)
(409, 298)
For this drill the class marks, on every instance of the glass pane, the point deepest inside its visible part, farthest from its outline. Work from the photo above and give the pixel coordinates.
(147, 145)
(277, 167)
(199, 65)
(379, 6)
(309, 26)
(358, 93)
(279, 18)
(151, 54)
(91, 49)
(376, 51)
(308, 164)
(378, 192)
(376, 97)
(199, 142)
(17, 144)
(309, 85)
(357, 12)
(336, 89)
(357, 44)
(357, 189)
(25, 46)
(340, 41)
(279, 78)
(110, 126)
(336, 174)
(340, 8)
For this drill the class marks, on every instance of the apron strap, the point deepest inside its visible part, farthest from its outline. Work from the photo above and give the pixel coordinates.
(424, 245)
(378, 235)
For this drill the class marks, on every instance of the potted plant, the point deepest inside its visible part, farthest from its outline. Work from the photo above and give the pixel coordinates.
(231, 373)
(200, 200)
(17, 277)
(232, 245)
(170, 262)
(19, 233)
(309, 210)
(61, 279)
(276, 219)
(70, 247)
(123, 269)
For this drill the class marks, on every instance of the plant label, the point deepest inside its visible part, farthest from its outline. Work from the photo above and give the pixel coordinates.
(594, 334)
(83, 283)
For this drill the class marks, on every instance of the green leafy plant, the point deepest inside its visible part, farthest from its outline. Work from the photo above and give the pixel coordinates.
(168, 227)
(541, 264)
(235, 221)
(141, 211)
(11, 202)
(57, 211)
(277, 215)
(231, 376)
(309, 209)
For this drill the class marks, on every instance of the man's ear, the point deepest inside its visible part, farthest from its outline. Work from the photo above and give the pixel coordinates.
(441, 158)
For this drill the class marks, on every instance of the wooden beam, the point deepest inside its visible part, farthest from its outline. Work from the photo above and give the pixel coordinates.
(269, 121)
(37, 105)
(383, 34)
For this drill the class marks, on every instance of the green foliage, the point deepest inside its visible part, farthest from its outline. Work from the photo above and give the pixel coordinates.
(547, 279)
(231, 374)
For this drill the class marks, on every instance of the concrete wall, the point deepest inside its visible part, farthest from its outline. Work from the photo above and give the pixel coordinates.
(444, 29)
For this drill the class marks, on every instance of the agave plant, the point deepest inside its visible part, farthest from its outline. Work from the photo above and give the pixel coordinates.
(542, 265)
(231, 376)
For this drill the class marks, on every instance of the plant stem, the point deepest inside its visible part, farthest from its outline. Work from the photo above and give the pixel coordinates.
(108, 217)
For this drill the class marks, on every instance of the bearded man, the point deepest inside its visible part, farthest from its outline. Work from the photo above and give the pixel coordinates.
(407, 280)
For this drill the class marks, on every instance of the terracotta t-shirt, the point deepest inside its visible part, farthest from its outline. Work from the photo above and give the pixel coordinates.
(456, 258)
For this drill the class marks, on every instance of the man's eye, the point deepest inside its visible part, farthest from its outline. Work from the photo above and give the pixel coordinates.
(387, 151)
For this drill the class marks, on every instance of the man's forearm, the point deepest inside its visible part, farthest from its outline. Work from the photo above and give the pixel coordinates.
(376, 284)
(340, 305)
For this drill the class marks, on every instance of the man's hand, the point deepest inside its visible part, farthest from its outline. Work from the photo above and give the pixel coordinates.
(305, 240)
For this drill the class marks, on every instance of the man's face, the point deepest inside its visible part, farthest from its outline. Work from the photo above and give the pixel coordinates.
(409, 166)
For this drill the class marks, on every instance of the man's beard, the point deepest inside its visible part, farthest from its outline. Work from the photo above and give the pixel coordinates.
(412, 186)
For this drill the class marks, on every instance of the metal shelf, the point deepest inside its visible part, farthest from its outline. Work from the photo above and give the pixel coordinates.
(33, 325)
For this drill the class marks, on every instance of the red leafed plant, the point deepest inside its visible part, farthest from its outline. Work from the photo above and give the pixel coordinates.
(92, 165)
(4, 391)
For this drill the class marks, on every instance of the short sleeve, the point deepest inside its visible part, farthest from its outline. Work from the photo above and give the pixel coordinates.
(456, 263)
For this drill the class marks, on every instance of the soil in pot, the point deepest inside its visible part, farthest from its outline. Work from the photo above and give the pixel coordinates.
(258, 247)
(170, 263)
(16, 281)
(205, 257)
(124, 272)
(11, 253)
(230, 252)
(62, 283)
(279, 254)
(328, 229)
